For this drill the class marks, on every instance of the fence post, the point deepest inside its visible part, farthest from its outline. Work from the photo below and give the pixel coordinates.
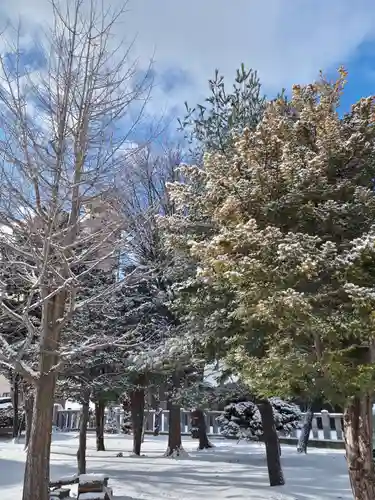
(165, 417)
(326, 424)
(150, 420)
(338, 428)
(314, 427)
(68, 420)
(55, 415)
(118, 419)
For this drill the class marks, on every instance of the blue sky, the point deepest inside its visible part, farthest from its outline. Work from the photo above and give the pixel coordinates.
(287, 41)
(361, 81)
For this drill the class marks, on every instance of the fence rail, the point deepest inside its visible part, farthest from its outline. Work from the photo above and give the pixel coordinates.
(325, 426)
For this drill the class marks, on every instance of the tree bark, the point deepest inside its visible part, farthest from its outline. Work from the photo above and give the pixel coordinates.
(15, 397)
(174, 433)
(99, 418)
(272, 443)
(146, 410)
(358, 446)
(29, 405)
(137, 402)
(81, 453)
(305, 431)
(127, 425)
(198, 423)
(36, 479)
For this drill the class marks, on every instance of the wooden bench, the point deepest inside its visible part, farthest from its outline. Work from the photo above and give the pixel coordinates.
(97, 495)
(94, 487)
(57, 490)
(90, 487)
(59, 494)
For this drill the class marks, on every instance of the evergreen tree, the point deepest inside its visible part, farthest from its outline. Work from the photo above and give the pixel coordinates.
(213, 125)
(242, 419)
(292, 209)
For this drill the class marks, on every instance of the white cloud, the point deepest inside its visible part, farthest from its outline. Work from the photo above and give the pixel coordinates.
(285, 40)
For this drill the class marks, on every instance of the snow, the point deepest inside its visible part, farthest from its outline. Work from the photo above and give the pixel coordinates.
(6, 406)
(228, 471)
(89, 478)
(73, 405)
(65, 479)
(92, 496)
(6, 403)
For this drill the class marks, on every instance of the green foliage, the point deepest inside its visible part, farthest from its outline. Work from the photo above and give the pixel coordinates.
(291, 245)
(211, 126)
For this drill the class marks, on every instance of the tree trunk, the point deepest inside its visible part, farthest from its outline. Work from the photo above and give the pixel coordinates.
(157, 423)
(358, 445)
(174, 433)
(137, 402)
(29, 406)
(99, 418)
(144, 425)
(158, 413)
(36, 479)
(127, 425)
(272, 443)
(146, 413)
(305, 431)
(15, 398)
(81, 453)
(198, 426)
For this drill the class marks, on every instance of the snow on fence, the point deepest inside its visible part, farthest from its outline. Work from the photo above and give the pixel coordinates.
(325, 426)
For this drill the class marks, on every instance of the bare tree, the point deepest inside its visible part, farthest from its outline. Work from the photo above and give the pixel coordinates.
(63, 138)
(144, 196)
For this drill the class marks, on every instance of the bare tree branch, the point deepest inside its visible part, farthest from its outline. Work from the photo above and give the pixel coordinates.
(66, 129)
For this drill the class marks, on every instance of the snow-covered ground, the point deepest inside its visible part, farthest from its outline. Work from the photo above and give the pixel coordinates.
(229, 471)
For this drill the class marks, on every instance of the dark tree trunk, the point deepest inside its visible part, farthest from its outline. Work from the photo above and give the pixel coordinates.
(272, 443)
(174, 433)
(29, 406)
(36, 479)
(15, 398)
(157, 424)
(99, 420)
(137, 402)
(305, 431)
(358, 445)
(146, 411)
(81, 453)
(127, 425)
(158, 414)
(198, 424)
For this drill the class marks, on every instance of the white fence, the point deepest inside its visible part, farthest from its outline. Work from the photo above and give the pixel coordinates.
(325, 426)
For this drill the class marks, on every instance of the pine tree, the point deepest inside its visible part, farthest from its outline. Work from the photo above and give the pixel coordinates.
(213, 125)
(292, 211)
(242, 419)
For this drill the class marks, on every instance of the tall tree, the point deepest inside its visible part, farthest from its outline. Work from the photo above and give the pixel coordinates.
(213, 125)
(208, 127)
(175, 358)
(60, 147)
(293, 209)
